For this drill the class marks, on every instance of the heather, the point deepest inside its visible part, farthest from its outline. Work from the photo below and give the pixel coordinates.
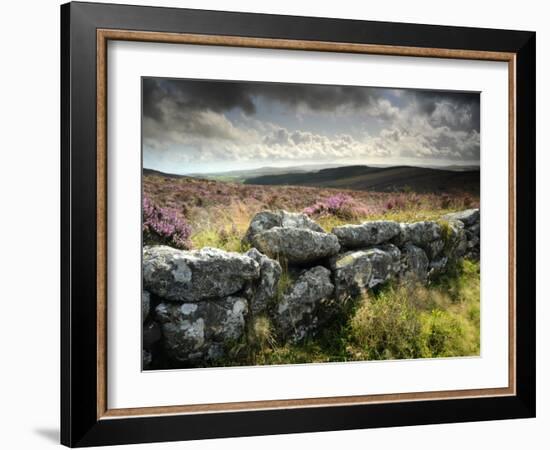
(397, 319)
(218, 213)
(164, 225)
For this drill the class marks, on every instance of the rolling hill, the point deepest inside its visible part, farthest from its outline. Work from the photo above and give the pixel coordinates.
(147, 171)
(389, 179)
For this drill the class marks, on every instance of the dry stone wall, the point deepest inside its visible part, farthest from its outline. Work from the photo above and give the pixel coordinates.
(196, 304)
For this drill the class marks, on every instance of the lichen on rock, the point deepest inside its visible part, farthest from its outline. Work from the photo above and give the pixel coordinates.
(195, 275)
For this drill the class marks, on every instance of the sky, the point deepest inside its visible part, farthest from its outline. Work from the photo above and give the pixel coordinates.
(205, 126)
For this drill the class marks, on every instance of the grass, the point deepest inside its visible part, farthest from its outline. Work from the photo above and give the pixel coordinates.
(394, 322)
(219, 212)
(228, 236)
(399, 321)
(228, 241)
(415, 321)
(407, 215)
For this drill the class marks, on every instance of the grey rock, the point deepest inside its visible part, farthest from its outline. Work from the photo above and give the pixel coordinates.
(296, 315)
(421, 233)
(151, 334)
(201, 331)
(386, 263)
(260, 293)
(468, 237)
(145, 303)
(402, 237)
(414, 263)
(473, 247)
(457, 242)
(266, 220)
(195, 275)
(473, 240)
(474, 229)
(299, 220)
(366, 234)
(467, 217)
(146, 358)
(437, 267)
(434, 248)
(352, 273)
(296, 245)
(356, 270)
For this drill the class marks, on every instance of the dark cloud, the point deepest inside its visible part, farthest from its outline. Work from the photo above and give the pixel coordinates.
(456, 110)
(195, 95)
(221, 96)
(192, 114)
(317, 97)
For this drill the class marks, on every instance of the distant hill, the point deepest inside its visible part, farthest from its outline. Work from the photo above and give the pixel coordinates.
(162, 174)
(241, 175)
(388, 179)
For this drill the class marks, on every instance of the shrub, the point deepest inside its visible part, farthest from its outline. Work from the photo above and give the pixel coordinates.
(417, 321)
(387, 327)
(164, 226)
(445, 333)
(223, 239)
(398, 201)
(260, 339)
(468, 201)
(445, 201)
(340, 205)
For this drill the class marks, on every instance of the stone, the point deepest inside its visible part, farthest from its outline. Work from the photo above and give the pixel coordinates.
(455, 241)
(266, 220)
(296, 245)
(467, 217)
(146, 359)
(421, 233)
(352, 272)
(296, 315)
(474, 230)
(386, 263)
(260, 293)
(151, 334)
(437, 267)
(192, 276)
(366, 234)
(473, 250)
(201, 331)
(356, 270)
(434, 248)
(299, 220)
(414, 263)
(466, 228)
(145, 304)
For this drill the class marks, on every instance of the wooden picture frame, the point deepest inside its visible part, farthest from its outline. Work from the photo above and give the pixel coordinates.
(86, 418)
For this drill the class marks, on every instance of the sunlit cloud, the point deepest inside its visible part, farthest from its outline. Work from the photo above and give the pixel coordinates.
(203, 125)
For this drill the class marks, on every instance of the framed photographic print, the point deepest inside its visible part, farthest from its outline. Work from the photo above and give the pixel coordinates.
(276, 224)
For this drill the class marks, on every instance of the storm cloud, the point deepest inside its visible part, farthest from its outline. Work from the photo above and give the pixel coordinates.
(201, 124)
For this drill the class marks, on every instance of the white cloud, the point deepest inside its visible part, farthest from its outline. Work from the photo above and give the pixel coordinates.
(404, 131)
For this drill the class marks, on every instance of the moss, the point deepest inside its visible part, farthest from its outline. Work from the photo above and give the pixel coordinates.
(228, 241)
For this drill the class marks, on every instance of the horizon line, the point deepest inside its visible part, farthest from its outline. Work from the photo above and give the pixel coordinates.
(382, 165)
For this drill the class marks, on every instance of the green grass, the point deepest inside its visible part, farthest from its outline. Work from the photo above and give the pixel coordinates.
(410, 215)
(400, 321)
(228, 241)
(229, 237)
(416, 321)
(397, 321)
